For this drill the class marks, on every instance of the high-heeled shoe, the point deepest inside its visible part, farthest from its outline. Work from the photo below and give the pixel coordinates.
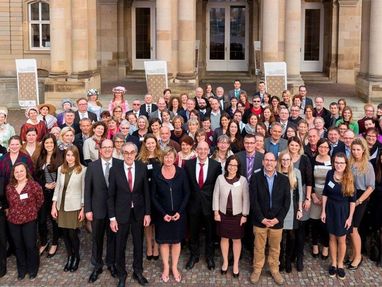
(149, 257)
(43, 248)
(178, 278)
(352, 267)
(223, 272)
(155, 257)
(74, 265)
(50, 255)
(69, 263)
(235, 275)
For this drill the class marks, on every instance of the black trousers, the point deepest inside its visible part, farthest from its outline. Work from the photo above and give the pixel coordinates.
(25, 239)
(287, 245)
(99, 228)
(3, 244)
(43, 216)
(197, 221)
(72, 242)
(136, 226)
(300, 239)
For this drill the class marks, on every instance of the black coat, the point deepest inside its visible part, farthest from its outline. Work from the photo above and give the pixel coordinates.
(260, 199)
(96, 190)
(201, 199)
(120, 197)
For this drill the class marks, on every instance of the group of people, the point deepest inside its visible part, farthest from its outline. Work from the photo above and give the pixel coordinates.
(247, 171)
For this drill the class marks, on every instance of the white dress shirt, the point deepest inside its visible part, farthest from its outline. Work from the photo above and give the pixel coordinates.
(205, 170)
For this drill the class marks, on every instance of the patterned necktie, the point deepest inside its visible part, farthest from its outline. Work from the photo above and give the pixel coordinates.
(107, 172)
(201, 176)
(148, 109)
(130, 179)
(250, 162)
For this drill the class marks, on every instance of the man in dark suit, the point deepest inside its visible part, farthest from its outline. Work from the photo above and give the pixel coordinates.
(86, 128)
(96, 193)
(321, 111)
(136, 110)
(129, 208)
(236, 90)
(202, 173)
(82, 112)
(250, 162)
(285, 121)
(69, 116)
(261, 91)
(270, 202)
(336, 145)
(305, 101)
(222, 98)
(161, 107)
(148, 106)
(190, 106)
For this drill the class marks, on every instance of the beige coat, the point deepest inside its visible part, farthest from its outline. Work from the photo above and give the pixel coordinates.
(240, 196)
(74, 197)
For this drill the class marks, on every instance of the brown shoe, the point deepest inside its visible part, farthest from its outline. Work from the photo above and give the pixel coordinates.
(255, 277)
(277, 277)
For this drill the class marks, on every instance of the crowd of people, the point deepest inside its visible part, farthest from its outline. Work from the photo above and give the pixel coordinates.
(255, 172)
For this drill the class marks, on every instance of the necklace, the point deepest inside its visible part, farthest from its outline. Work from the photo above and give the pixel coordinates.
(336, 178)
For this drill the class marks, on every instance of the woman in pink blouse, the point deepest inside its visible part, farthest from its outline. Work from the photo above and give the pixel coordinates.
(25, 198)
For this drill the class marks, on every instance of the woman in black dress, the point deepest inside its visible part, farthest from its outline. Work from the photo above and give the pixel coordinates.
(231, 208)
(170, 193)
(338, 204)
(375, 206)
(150, 155)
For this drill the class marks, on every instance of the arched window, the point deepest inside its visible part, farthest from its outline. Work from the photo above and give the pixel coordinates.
(39, 25)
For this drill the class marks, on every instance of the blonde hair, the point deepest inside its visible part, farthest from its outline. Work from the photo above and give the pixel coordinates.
(291, 174)
(365, 156)
(144, 154)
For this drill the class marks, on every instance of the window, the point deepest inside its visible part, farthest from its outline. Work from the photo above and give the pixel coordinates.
(39, 25)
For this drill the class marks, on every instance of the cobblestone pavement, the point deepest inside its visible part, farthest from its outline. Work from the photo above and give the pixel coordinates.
(315, 273)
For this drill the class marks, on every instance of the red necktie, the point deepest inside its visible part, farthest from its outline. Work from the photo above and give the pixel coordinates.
(201, 176)
(130, 179)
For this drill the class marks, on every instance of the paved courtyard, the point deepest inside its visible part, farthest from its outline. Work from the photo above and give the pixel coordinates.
(315, 273)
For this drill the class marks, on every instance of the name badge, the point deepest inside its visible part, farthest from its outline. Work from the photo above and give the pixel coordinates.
(236, 184)
(331, 184)
(327, 162)
(141, 139)
(23, 196)
(149, 166)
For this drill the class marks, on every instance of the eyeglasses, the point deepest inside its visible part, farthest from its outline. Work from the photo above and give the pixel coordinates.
(256, 101)
(136, 104)
(119, 141)
(107, 147)
(129, 153)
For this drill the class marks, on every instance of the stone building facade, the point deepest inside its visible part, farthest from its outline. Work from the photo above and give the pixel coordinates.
(80, 44)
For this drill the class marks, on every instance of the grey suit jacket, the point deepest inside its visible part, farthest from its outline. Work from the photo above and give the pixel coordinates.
(283, 145)
(231, 93)
(156, 115)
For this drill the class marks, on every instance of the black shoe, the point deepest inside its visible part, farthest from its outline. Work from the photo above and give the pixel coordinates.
(341, 273)
(94, 276)
(69, 263)
(314, 255)
(149, 257)
(210, 264)
(191, 262)
(10, 252)
(324, 257)
(121, 282)
(300, 264)
(155, 258)
(235, 275)
(32, 276)
(74, 265)
(50, 255)
(113, 270)
(347, 261)
(223, 272)
(332, 271)
(141, 280)
(21, 276)
(2, 273)
(288, 266)
(352, 267)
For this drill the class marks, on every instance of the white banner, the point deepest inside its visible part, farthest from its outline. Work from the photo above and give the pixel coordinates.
(27, 82)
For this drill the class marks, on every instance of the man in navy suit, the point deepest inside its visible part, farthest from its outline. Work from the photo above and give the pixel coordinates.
(129, 209)
(305, 101)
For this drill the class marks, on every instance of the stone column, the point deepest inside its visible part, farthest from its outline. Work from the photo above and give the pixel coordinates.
(369, 83)
(293, 41)
(270, 30)
(187, 36)
(84, 37)
(163, 36)
(375, 48)
(60, 35)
